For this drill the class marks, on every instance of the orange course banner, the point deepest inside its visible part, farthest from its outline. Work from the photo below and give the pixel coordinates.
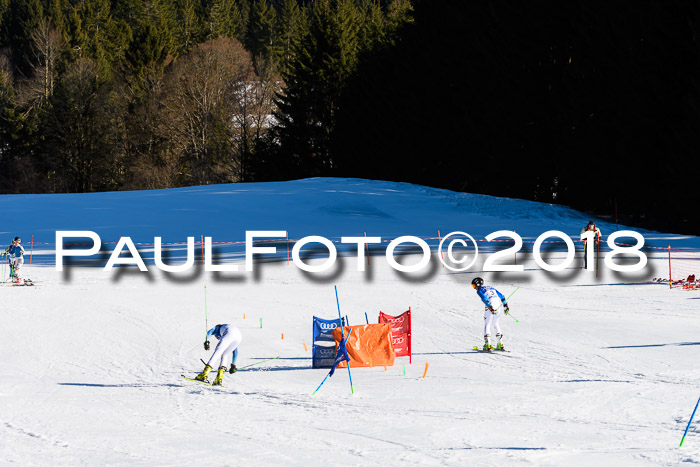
(367, 345)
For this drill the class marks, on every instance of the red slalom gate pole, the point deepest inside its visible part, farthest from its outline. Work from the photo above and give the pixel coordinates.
(367, 249)
(31, 251)
(441, 256)
(410, 343)
(670, 279)
(287, 248)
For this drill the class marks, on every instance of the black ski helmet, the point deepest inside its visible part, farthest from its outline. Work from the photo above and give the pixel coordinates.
(17, 239)
(477, 282)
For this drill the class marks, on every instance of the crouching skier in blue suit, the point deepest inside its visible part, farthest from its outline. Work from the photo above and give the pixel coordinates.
(229, 339)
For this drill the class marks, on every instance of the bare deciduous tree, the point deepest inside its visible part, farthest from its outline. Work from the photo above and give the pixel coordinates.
(256, 113)
(47, 43)
(203, 95)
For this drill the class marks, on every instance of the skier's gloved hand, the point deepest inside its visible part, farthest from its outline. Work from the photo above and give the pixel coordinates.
(233, 369)
(206, 345)
(506, 307)
(491, 309)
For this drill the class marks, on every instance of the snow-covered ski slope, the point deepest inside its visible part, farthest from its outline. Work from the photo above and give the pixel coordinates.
(602, 371)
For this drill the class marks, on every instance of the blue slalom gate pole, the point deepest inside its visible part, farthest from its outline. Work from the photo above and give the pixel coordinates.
(366, 318)
(689, 422)
(319, 386)
(342, 331)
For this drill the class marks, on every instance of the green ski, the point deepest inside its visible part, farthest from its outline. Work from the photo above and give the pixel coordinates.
(491, 350)
(205, 383)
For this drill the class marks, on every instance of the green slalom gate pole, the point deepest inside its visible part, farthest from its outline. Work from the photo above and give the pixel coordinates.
(689, 422)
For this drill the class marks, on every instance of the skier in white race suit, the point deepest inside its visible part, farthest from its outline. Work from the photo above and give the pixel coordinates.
(492, 313)
(229, 338)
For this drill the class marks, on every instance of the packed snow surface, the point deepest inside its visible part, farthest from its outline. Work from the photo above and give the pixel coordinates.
(602, 369)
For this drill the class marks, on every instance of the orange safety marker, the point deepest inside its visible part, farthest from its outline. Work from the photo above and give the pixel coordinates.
(282, 335)
(305, 349)
(243, 315)
(426, 369)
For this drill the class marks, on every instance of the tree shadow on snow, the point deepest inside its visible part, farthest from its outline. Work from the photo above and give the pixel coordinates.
(134, 385)
(280, 368)
(650, 345)
(444, 353)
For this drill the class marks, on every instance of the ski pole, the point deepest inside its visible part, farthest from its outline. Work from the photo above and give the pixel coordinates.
(508, 298)
(252, 364)
(689, 422)
(516, 319)
(258, 363)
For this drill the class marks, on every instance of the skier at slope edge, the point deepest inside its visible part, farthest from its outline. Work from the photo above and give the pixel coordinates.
(229, 338)
(491, 314)
(16, 257)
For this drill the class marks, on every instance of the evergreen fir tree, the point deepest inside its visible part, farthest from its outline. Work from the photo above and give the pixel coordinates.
(261, 32)
(308, 104)
(372, 26)
(226, 20)
(56, 12)
(4, 20)
(292, 26)
(190, 25)
(23, 18)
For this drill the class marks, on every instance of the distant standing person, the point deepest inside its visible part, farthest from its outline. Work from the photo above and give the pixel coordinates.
(229, 338)
(590, 227)
(492, 313)
(16, 257)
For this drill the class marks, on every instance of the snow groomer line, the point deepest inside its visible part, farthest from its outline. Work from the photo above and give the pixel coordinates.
(460, 248)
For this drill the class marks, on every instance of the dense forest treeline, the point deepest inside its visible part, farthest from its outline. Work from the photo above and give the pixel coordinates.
(131, 94)
(589, 104)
